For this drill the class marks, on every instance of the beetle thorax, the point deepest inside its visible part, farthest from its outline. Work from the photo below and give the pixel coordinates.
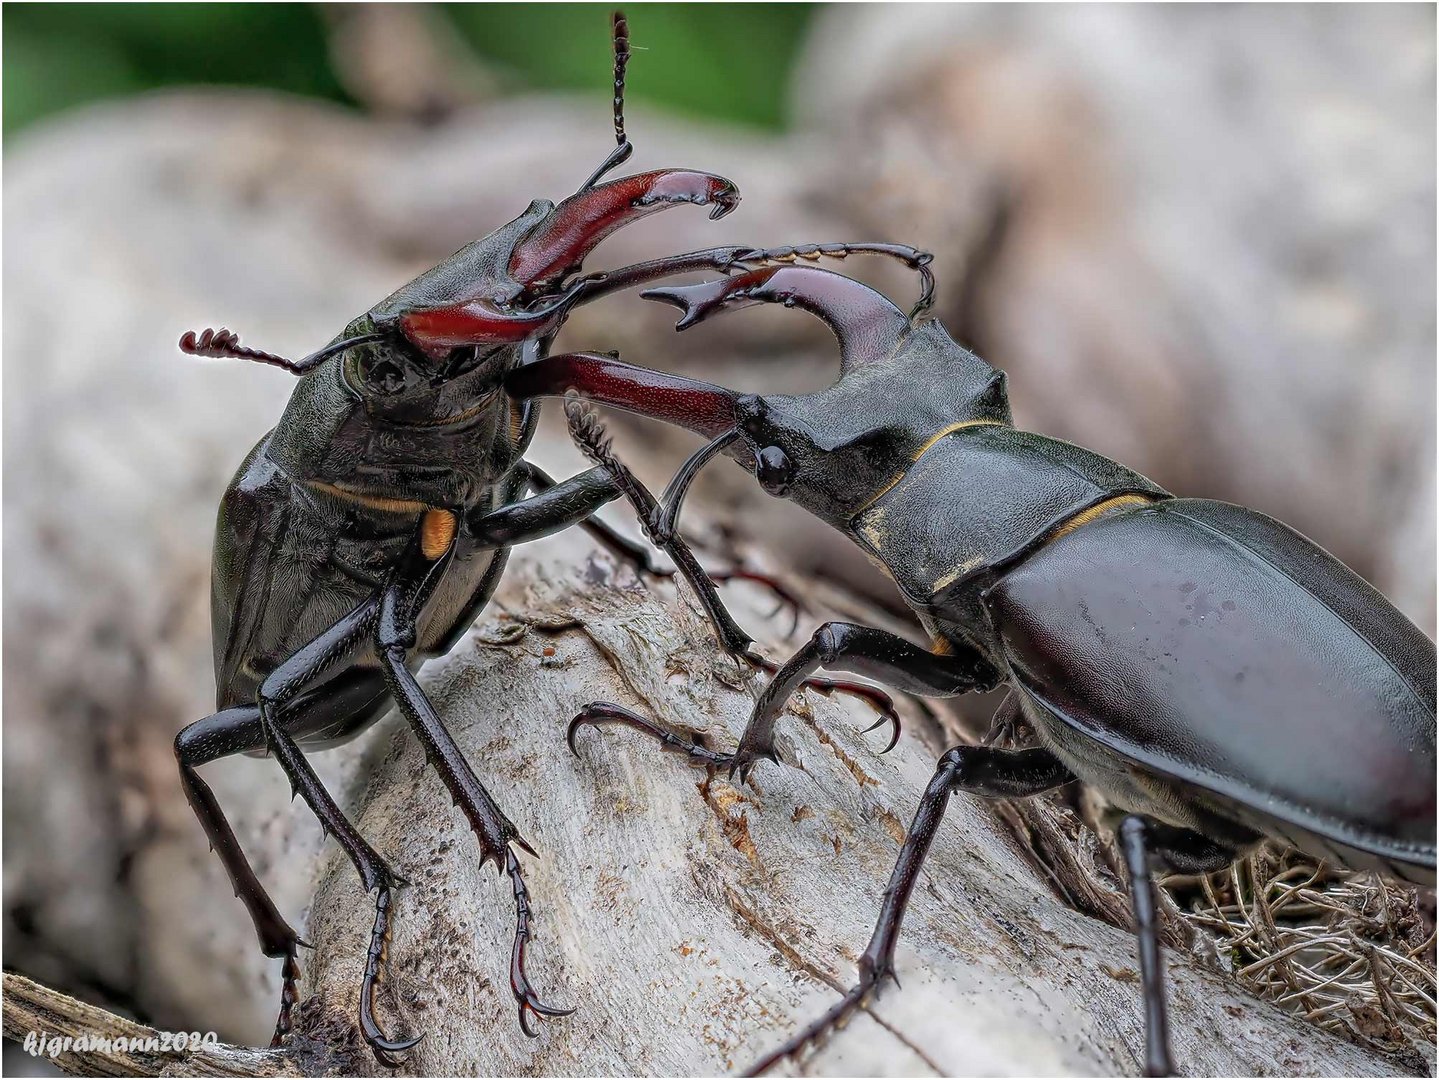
(835, 451)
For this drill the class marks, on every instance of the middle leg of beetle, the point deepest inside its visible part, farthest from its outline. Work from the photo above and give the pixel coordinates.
(977, 770)
(304, 669)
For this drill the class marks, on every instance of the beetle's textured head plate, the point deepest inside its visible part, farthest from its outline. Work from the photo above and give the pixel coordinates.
(900, 384)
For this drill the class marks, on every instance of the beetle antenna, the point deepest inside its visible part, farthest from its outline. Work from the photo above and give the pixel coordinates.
(620, 29)
(226, 343)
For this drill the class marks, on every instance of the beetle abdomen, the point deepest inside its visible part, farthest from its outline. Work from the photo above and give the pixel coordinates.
(1212, 645)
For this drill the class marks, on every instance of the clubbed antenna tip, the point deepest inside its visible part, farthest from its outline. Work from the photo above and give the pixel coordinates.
(225, 343)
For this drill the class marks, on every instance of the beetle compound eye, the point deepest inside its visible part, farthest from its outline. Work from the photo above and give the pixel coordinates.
(774, 470)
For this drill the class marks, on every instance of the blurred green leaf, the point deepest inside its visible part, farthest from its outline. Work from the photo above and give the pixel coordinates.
(722, 60)
(59, 55)
(711, 59)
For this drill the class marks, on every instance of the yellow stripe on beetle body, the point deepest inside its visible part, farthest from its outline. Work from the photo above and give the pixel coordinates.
(1084, 517)
(914, 458)
(374, 502)
(437, 527)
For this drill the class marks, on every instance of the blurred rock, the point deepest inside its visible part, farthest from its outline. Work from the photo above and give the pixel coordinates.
(1200, 240)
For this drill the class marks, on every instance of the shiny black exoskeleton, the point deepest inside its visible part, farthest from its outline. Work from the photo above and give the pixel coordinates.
(365, 532)
(1215, 676)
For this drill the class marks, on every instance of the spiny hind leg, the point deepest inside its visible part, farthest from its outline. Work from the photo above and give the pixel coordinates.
(978, 770)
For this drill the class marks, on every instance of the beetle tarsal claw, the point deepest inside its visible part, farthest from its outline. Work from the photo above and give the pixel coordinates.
(525, 996)
(891, 717)
(881, 701)
(602, 712)
(375, 960)
(856, 998)
(289, 994)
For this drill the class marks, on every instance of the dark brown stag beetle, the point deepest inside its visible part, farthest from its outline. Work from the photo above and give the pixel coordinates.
(1217, 677)
(366, 531)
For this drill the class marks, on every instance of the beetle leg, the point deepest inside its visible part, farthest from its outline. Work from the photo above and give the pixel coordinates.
(1133, 841)
(1144, 843)
(590, 436)
(978, 770)
(638, 558)
(237, 731)
(866, 651)
(395, 635)
(304, 669)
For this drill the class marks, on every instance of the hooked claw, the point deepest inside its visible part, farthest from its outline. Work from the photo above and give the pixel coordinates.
(887, 716)
(375, 958)
(289, 995)
(602, 712)
(525, 995)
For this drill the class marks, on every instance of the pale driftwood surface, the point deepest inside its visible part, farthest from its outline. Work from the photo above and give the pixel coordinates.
(695, 924)
(30, 1007)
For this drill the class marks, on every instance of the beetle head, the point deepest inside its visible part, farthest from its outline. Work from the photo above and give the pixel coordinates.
(457, 328)
(900, 384)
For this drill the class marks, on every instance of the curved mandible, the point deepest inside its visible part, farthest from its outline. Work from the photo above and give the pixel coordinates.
(869, 327)
(560, 243)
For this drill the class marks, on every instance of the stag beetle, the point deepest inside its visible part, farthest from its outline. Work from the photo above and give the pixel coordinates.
(1215, 676)
(366, 531)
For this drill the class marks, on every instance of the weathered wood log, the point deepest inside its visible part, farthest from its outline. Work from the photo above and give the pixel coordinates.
(53, 1023)
(694, 922)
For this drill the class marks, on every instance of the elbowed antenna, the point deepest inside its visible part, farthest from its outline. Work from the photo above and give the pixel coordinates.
(225, 343)
(869, 327)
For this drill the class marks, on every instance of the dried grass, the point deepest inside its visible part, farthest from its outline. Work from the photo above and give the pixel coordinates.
(1351, 952)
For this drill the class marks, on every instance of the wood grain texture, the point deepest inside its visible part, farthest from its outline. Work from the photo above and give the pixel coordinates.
(31, 1007)
(696, 923)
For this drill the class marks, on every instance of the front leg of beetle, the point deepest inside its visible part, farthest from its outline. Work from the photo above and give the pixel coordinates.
(862, 650)
(836, 646)
(590, 436)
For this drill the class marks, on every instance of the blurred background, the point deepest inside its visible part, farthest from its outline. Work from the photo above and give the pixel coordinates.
(1200, 239)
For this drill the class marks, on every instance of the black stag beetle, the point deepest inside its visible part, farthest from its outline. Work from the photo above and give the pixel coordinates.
(366, 531)
(1217, 677)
